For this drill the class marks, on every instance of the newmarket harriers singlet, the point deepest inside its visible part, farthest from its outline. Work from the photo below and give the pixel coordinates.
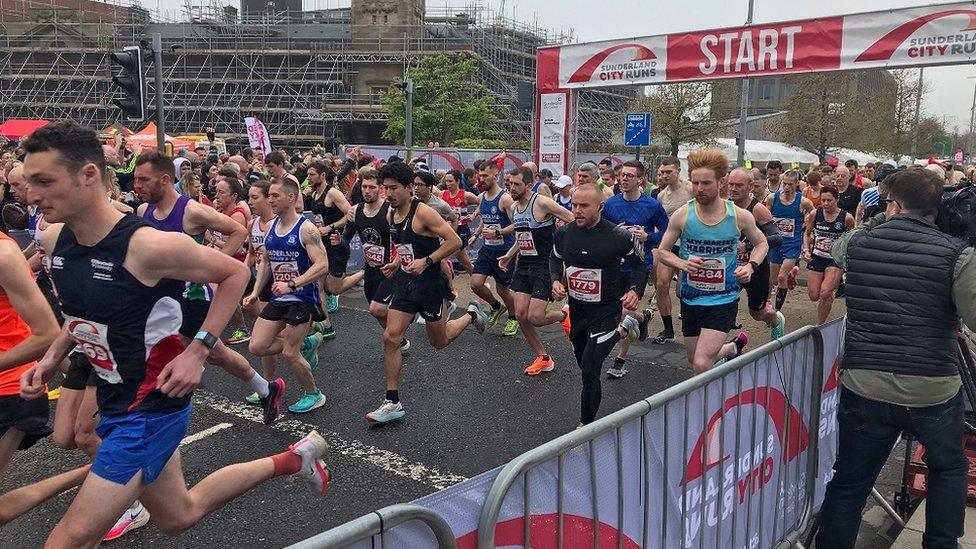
(174, 224)
(714, 283)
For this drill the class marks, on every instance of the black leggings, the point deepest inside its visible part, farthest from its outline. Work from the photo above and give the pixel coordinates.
(592, 339)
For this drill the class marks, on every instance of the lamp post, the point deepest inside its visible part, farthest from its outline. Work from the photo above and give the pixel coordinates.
(744, 105)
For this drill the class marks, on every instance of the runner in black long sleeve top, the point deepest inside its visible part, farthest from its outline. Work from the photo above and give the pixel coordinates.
(589, 252)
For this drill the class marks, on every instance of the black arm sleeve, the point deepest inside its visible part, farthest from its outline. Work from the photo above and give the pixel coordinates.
(348, 165)
(633, 262)
(555, 258)
(349, 231)
(773, 236)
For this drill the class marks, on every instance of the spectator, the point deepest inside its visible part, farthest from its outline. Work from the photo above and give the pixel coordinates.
(908, 283)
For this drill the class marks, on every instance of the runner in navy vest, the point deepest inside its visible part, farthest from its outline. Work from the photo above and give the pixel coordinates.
(169, 211)
(497, 230)
(533, 244)
(789, 209)
(711, 278)
(740, 183)
(422, 239)
(823, 227)
(294, 258)
(119, 281)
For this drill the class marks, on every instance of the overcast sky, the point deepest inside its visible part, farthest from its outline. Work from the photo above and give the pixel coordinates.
(950, 95)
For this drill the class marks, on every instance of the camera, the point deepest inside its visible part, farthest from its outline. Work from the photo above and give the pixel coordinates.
(957, 213)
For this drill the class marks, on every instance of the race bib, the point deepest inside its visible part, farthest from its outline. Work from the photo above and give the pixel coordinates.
(374, 254)
(584, 284)
(92, 338)
(405, 255)
(710, 276)
(494, 241)
(822, 246)
(284, 271)
(786, 226)
(526, 243)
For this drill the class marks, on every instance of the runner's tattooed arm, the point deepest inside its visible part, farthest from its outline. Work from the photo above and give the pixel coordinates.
(316, 253)
(26, 298)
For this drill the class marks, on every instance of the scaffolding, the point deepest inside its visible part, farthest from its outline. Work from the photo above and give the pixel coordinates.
(309, 82)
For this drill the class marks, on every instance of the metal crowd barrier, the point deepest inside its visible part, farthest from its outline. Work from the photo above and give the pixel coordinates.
(784, 363)
(378, 523)
(522, 466)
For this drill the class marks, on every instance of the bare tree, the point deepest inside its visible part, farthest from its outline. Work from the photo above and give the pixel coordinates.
(814, 113)
(681, 113)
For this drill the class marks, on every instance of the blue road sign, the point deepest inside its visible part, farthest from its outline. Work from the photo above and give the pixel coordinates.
(637, 129)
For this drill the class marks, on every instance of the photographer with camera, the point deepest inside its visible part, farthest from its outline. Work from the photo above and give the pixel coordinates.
(908, 283)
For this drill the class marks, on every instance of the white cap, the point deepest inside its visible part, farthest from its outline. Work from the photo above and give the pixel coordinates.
(563, 181)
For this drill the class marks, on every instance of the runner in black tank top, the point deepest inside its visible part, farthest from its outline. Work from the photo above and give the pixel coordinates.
(422, 239)
(823, 226)
(757, 289)
(327, 207)
(118, 282)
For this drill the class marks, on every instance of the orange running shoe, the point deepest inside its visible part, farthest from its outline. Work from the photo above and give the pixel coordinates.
(565, 323)
(539, 365)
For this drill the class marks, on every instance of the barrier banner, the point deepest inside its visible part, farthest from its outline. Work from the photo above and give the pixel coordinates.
(929, 35)
(724, 466)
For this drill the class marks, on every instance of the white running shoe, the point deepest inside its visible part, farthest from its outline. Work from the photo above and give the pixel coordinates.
(387, 412)
(134, 517)
(313, 471)
(480, 316)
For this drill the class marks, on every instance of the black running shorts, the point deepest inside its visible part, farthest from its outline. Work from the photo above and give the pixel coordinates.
(28, 416)
(757, 290)
(695, 318)
(293, 313)
(532, 280)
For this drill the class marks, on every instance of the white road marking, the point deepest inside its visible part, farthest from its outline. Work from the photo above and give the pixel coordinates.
(204, 433)
(383, 459)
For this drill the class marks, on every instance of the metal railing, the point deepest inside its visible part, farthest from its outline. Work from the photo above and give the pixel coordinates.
(523, 466)
(378, 523)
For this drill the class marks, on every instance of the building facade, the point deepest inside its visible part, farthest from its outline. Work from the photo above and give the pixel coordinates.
(312, 77)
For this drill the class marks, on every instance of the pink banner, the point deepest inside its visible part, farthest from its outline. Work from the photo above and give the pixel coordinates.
(930, 35)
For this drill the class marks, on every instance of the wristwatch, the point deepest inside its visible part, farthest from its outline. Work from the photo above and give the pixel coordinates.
(428, 261)
(207, 338)
(755, 266)
(498, 233)
(292, 285)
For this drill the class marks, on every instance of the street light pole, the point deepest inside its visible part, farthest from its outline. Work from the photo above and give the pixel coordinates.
(157, 46)
(918, 110)
(408, 116)
(972, 120)
(744, 105)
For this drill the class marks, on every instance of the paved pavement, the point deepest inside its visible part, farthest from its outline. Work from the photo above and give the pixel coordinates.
(469, 409)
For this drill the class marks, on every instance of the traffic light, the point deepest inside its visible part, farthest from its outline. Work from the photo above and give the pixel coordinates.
(132, 82)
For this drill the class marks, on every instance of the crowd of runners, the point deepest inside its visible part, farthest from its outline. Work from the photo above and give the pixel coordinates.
(138, 265)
